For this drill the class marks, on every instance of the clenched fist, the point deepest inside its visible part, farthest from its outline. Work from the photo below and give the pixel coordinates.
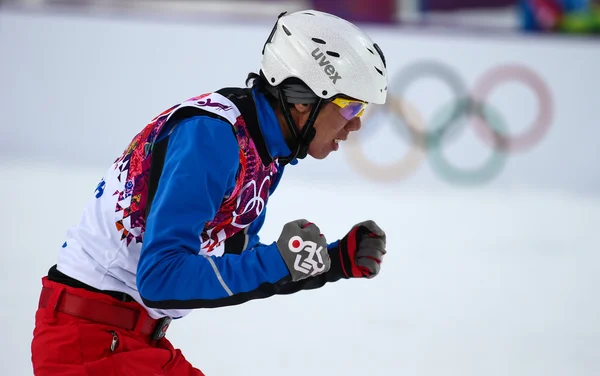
(359, 254)
(304, 249)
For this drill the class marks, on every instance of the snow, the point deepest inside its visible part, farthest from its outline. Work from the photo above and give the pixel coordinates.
(475, 282)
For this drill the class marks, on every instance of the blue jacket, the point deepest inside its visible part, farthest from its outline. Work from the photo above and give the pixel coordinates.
(200, 164)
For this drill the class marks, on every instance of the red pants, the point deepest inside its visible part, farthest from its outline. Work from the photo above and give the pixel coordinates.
(65, 345)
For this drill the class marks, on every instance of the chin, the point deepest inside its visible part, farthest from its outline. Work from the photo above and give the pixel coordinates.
(318, 154)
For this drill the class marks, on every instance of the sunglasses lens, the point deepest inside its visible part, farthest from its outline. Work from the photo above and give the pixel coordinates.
(352, 110)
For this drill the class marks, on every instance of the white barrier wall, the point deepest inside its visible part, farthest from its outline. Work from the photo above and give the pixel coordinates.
(63, 78)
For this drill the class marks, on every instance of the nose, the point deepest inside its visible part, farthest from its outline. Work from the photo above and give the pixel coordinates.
(353, 125)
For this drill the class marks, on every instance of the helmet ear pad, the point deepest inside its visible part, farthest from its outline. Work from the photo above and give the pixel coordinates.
(302, 137)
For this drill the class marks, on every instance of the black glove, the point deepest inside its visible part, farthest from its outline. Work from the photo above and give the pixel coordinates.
(359, 254)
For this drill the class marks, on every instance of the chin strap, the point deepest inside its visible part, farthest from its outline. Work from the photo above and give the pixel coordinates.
(303, 139)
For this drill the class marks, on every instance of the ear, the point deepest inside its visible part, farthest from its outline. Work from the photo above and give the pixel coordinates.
(302, 108)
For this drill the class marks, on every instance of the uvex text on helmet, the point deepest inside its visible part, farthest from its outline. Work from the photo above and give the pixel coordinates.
(329, 54)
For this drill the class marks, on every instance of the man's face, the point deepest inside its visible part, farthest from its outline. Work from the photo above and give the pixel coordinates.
(331, 128)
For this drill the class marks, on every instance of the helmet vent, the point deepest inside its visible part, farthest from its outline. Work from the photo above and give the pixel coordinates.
(380, 54)
(310, 14)
(370, 50)
(286, 30)
(334, 54)
(379, 70)
(317, 40)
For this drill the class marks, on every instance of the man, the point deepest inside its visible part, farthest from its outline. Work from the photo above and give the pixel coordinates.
(174, 223)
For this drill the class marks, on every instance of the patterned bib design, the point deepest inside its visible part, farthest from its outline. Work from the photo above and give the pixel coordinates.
(245, 203)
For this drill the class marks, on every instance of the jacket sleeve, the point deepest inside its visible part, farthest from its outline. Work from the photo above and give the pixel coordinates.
(318, 281)
(198, 171)
(311, 283)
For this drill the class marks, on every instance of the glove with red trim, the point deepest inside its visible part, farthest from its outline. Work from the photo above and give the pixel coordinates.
(359, 254)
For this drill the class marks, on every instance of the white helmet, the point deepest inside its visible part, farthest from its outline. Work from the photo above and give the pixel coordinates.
(329, 54)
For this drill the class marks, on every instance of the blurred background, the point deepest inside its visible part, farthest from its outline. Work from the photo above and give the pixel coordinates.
(482, 167)
(557, 16)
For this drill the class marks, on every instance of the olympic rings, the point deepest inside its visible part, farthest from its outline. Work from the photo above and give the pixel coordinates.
(488, 124)
(542, 122)
(443, 72)
(399, 169)
(487, 171)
